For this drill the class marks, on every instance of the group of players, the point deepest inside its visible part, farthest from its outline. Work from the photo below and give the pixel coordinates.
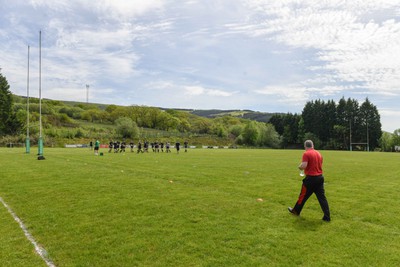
(120, 147)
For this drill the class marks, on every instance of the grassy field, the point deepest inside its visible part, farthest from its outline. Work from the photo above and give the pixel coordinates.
(197, 209)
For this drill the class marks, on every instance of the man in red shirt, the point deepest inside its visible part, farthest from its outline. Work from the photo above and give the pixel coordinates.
(311, 164)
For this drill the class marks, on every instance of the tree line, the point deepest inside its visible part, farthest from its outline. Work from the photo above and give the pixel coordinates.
(343, 126)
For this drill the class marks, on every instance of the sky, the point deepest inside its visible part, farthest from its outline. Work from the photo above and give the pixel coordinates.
(262, 55)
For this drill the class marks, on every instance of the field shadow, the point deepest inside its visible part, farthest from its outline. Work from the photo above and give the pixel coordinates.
(307, 224)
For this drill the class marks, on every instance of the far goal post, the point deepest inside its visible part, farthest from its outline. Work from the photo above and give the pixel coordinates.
(362, 145)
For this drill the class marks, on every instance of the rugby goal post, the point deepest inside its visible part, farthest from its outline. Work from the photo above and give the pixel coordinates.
(366, 145)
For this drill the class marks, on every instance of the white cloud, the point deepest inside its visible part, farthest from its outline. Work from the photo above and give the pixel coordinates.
(117, 10)
(199, 90)
(125, 10)
(194, 90)
(356, 51)
(214, 92)
(286, 94)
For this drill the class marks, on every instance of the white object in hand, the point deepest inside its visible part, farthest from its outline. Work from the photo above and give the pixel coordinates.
(302, 173)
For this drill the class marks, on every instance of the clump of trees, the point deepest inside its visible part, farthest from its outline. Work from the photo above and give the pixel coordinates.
(259, 134)
(9, 123)
(389, 141)
(331, 125)
(127, 128)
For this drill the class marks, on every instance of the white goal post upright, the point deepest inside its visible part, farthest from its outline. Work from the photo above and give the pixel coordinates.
(27, 141)
(40, 144)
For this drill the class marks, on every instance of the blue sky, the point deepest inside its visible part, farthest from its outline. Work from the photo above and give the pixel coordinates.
(263, 55)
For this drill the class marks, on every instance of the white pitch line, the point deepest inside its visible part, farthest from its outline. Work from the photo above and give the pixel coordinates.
(39, 250)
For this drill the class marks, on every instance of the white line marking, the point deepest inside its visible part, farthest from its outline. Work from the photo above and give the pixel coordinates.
(39, 250)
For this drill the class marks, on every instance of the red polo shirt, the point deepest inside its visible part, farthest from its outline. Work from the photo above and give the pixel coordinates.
(314, 162)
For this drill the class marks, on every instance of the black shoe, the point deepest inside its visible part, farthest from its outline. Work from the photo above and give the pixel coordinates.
(326, 219)
(292, 211)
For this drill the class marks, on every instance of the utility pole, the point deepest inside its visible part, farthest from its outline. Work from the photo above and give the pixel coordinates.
(87, 93)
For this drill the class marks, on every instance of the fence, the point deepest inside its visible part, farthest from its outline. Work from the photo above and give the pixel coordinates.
(11, 145)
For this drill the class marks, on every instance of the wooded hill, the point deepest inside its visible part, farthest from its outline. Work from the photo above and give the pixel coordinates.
(67, 121)
(245, 114)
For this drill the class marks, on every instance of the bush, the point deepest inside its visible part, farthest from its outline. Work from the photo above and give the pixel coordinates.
(126, 128)
(314, 138)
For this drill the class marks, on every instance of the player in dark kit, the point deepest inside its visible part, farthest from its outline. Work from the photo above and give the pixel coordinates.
(311, 163)
(123, 145)
(162, 146)
(139, 147)
(156, 147)
(116, 147)
(185, 145)
(110, 146)
(177, 146)
(167, 146)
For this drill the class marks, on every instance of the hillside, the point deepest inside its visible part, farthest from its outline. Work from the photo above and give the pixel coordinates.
(70, 121)
(243, 114)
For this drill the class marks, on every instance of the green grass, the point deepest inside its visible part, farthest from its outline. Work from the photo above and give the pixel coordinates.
(197, 209)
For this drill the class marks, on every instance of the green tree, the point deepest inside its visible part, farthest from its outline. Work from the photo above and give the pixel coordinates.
(183, 125)
(250, 133)
(352, 113)
(396, 138)
(111, 108)
(317, 142)
(342, 127)
(301, 131)
(9, 123)
(277, 121)
(370, 123)
(291, 129)
(236, 130)
(117, 112)
(319, 118)
(126, 128)
(329, 118)
(386, 142)
(92, 115)
(268, 136)
(201, 125)
(340, 136)
(155, 118)
(219, 130)
(287, 126)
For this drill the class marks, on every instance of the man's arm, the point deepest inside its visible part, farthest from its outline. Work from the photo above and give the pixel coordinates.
(303, 165)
